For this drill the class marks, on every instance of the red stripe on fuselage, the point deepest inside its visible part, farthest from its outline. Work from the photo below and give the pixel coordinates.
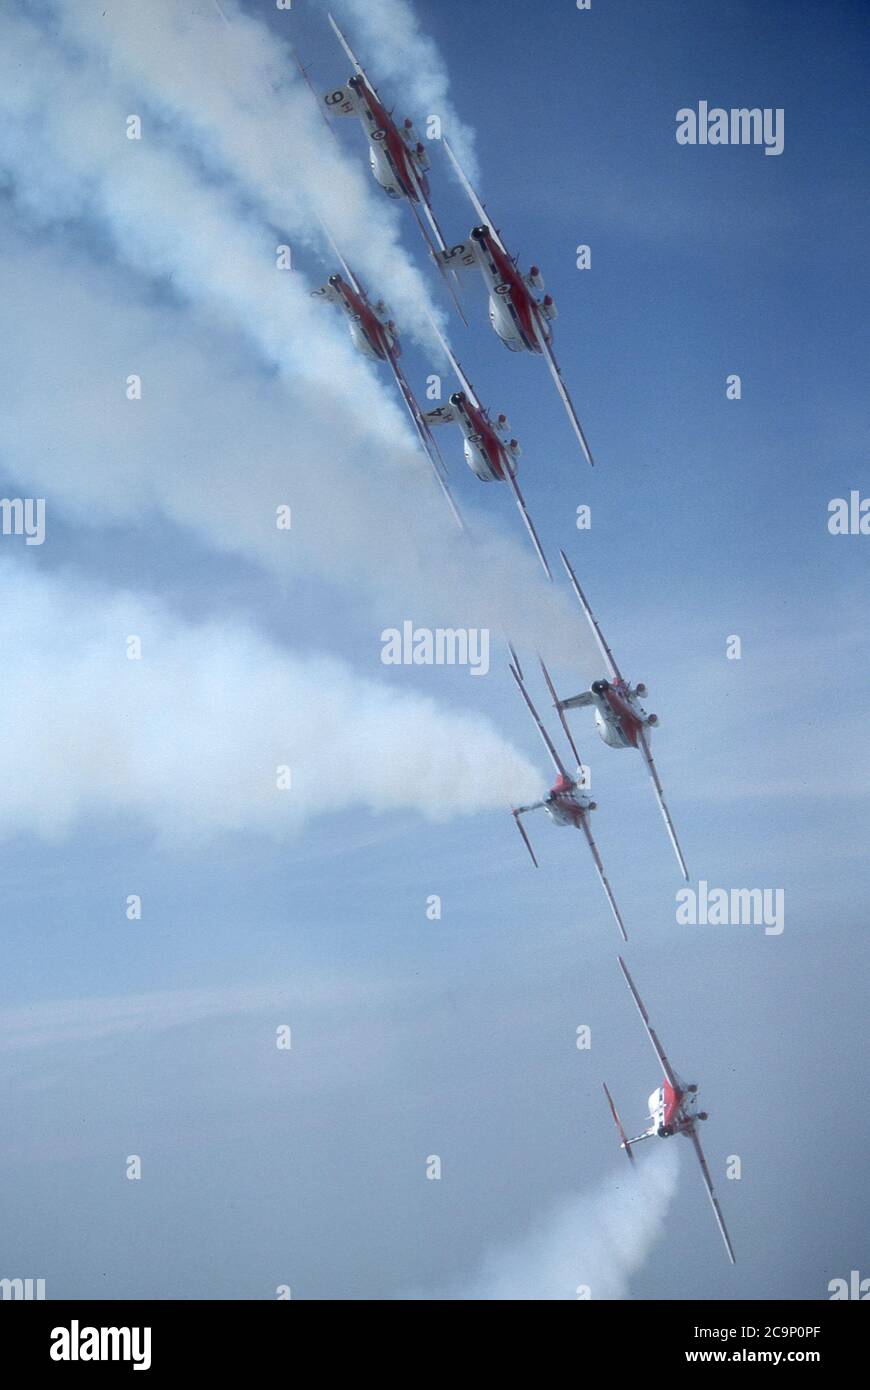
(520, 297)
(369, 322)
(490, 440)
(628, 720)
(673, 1101)
(396, 147)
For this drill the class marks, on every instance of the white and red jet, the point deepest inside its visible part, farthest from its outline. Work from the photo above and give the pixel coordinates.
(490, 452)
(373, 331)
(622, 721)
(397, 155)
(520, 319)
(673, 1109)
(565, 803)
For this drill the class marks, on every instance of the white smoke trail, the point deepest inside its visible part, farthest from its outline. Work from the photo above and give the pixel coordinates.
(63, 146)
(216, 447)
(189, 736)
(593, 1242)
(231, 92)
(63, 115)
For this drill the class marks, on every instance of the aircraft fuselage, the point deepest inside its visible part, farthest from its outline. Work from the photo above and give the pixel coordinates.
(486, 455)
(514, 312)
(619, 716)
(398, 170)
(673, 1110)
(373, 333)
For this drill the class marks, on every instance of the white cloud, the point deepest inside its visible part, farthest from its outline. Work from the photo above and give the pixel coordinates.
(58, 1023)
(190, 737)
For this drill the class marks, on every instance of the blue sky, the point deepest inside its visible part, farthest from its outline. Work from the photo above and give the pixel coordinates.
(455, 1037)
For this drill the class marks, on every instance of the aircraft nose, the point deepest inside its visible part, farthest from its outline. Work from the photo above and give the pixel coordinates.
(600, 687)
(457, 398)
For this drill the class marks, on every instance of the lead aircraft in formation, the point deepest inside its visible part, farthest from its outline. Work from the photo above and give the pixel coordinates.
(397, 155)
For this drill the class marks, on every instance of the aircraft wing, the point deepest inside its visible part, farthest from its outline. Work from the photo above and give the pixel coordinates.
(598, 634)
(426, 439)
(460, 375)
(341, 102)
(605, 884)
(618, 1122)
(475, 201)
(448, 274)
(348, 273)
(660, 797)
(527, 521)
(357, 66)
(514, 658)
(714, 1201)
(516, 813)
(430, 215)
(659, 1050)
(558, 706)
(435, 251)
(556, 374)
(547, 741)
